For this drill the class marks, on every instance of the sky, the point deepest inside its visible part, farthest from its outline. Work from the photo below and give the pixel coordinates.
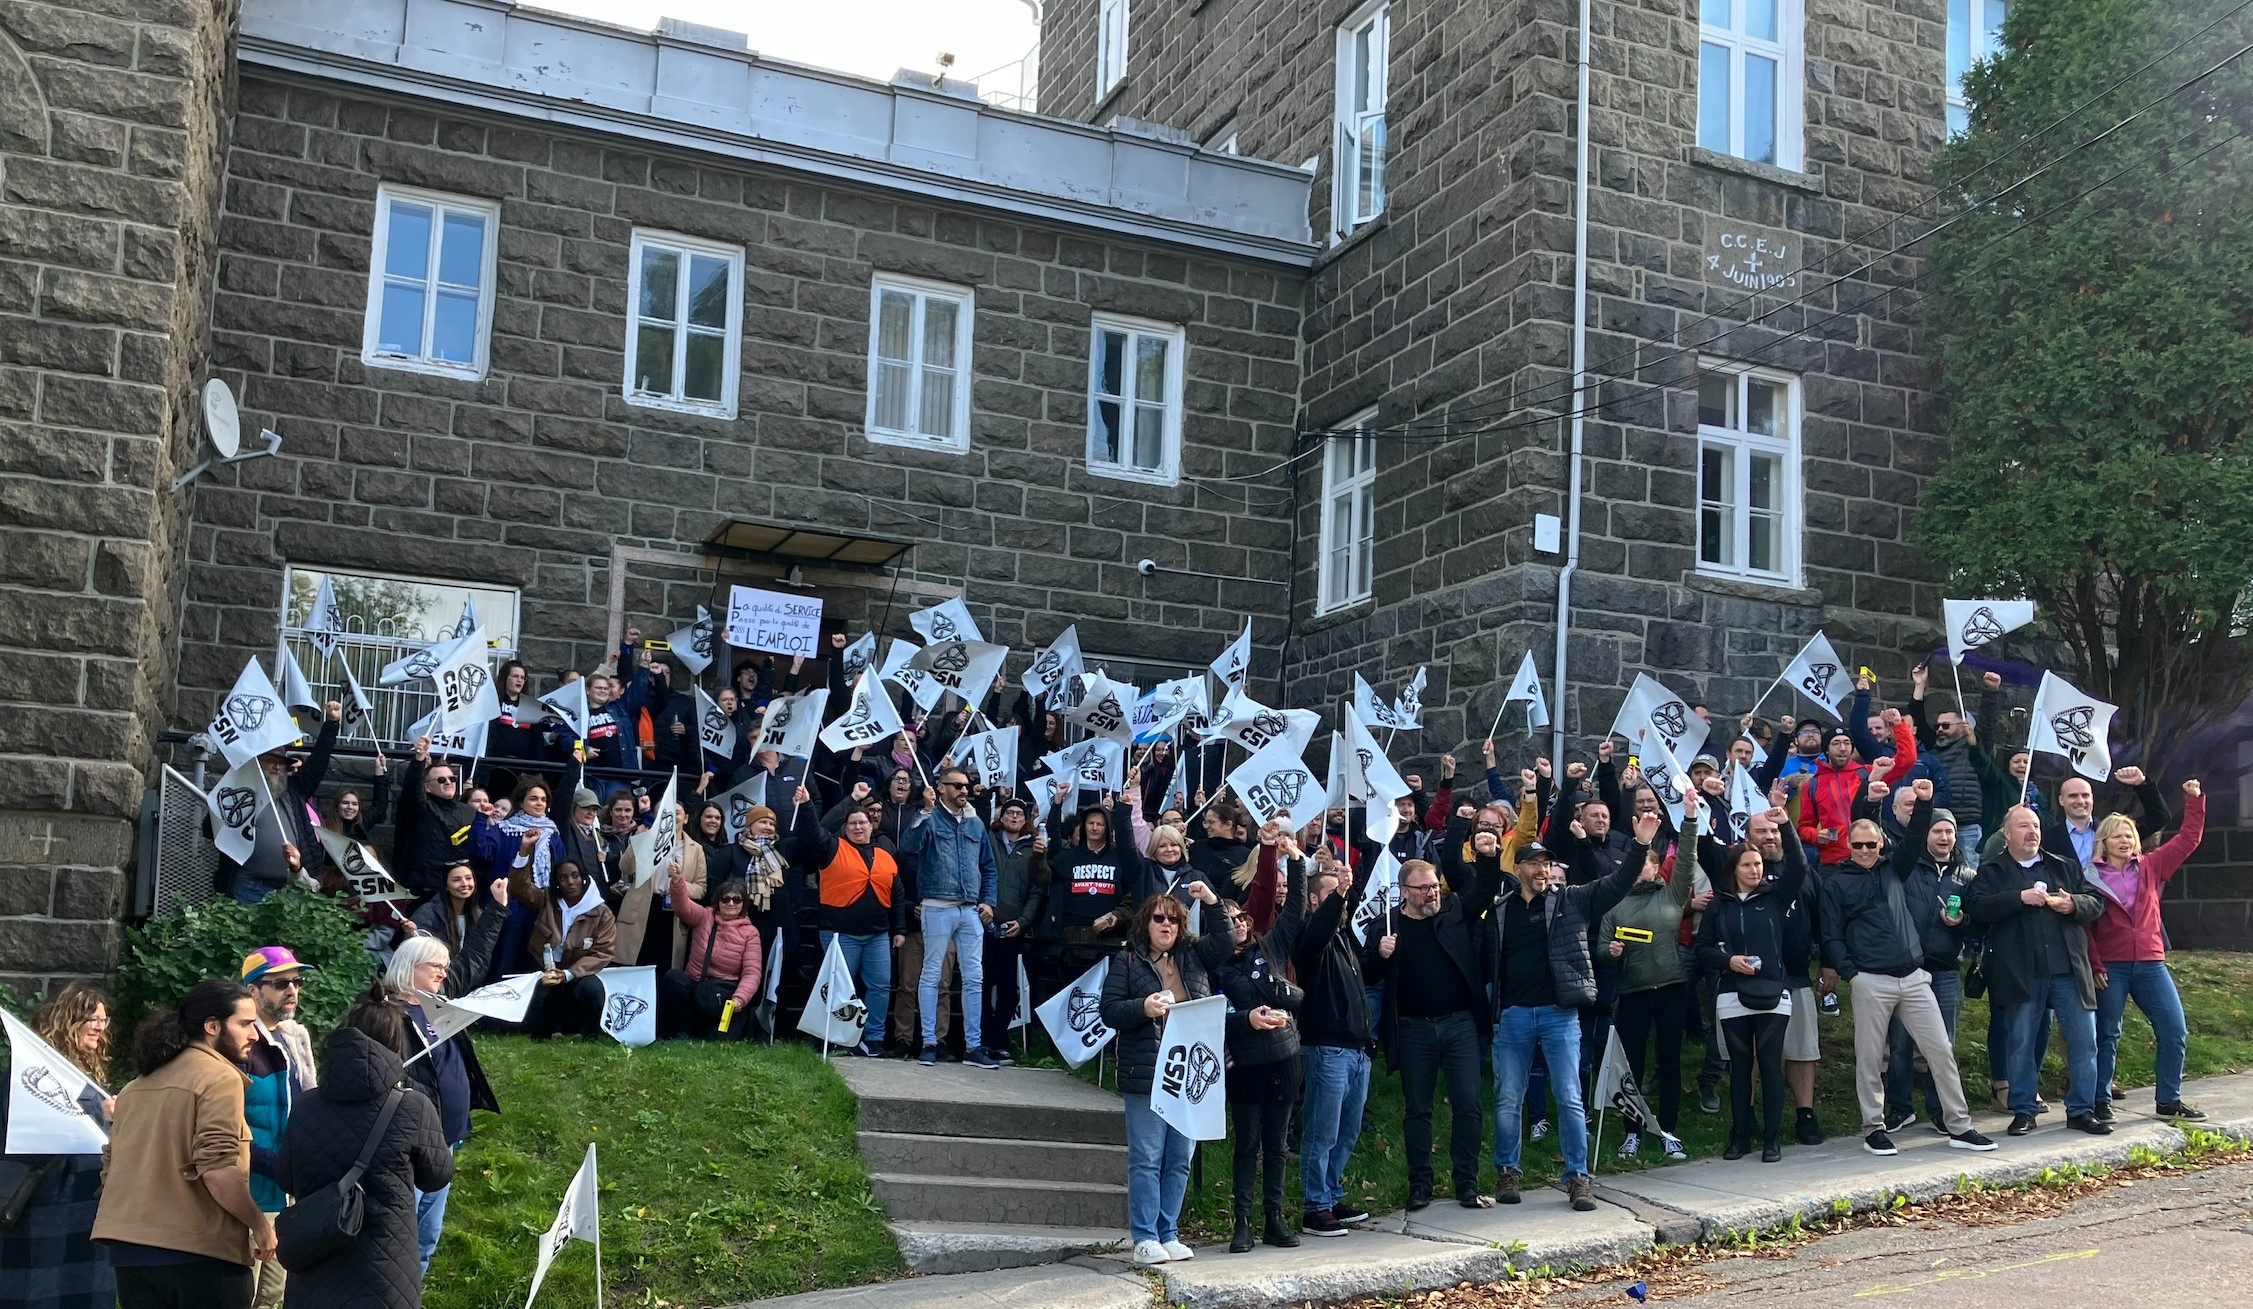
(874, 38)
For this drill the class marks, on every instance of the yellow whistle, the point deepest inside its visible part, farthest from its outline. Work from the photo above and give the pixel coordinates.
(727, 1011)
(1867, 673)
(1633, 934)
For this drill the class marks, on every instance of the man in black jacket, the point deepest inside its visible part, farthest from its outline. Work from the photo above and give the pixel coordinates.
(1333, 1050)
(1434, 964)
(431, 832)
(1874, 937)
(2036, 905)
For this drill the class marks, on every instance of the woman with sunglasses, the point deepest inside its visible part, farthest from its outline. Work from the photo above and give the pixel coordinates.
(1263, 1050)
(722, 968)
(1161, 966)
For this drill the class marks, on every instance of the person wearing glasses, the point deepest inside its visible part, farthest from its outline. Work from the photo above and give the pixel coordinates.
(958, 880)
(279, 1069)
(432, 829)
(722, 967)
(1161, 966)
(1874, 927)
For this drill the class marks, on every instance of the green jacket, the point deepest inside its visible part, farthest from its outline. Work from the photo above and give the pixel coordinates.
(1656, 908)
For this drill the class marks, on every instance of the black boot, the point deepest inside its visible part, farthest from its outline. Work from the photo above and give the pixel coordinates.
(1739, 1147)
(1241, 1242)
(1278, 1233)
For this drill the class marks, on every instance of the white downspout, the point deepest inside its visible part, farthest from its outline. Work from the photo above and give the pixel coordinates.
(1579, 396)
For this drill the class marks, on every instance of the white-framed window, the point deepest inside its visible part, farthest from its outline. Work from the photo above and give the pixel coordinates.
(684, 323)
(1223, 140)
(430, 283)
(1110, 45)
(919, 362)
(1134, 399)
(1975, 31)
(1364, 43)
(1349, 499)
(1748, 474)
(1749, 91)
(383, 618)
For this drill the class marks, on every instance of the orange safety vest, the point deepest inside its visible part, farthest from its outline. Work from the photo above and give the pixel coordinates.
(847, 876)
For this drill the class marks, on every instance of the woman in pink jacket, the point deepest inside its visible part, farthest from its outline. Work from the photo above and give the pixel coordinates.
(721, 967)
(2128, 947)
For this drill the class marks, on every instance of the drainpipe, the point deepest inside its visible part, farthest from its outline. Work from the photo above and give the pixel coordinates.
(1579, 397)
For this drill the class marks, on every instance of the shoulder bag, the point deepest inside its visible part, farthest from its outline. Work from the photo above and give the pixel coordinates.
(322, 1225)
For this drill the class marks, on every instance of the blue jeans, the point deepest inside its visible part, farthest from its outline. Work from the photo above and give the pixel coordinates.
(1337, 1087)
(1969, 835)
(2152, 987)
(960, 924)
(1157, 1172)
(1901, 1076)
(870, 960)
(2062, 995)
(1557, 1032)
(249, 892)
(430, 1217)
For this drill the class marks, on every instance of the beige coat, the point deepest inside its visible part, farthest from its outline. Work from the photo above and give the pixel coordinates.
(633, 910)
(173, 1126)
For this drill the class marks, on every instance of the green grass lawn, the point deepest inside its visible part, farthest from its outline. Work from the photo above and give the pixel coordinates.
(728, 1173)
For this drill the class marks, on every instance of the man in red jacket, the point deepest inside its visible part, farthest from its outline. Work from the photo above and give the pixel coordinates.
(1826, 808)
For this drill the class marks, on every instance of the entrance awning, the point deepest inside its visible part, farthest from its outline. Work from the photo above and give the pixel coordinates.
(803, 543)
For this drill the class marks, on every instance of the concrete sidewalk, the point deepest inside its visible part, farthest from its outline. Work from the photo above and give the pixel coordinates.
(1447, 1244)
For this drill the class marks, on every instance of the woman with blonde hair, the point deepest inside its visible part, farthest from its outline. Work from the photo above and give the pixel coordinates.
(2128, 949)
(48, 1256)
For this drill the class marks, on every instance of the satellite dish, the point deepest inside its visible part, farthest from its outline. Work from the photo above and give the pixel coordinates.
(222, 422)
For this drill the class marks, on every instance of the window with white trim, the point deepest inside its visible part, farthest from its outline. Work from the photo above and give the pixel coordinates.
(1223, 140)
(684, 327)
(1748, 474)
(383, 618)
(1349, 499)
(1364, 43)
(1749, 91)
(430, 283)
(1134, 399)
(1975, 31)
(1110, 45)
(919, 363)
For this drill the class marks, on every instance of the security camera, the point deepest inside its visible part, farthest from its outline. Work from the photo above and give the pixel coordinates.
(1146, 567)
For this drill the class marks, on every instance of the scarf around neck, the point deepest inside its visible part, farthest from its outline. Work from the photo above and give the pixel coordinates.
(543, 854)
(765, 875)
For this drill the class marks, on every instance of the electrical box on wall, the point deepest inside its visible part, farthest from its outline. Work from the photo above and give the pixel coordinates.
(1548, 533)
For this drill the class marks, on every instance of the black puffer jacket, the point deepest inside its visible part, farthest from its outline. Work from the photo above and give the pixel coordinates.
(1572, 913)
(382, 1268)
(1253, 977)
(1756, 924)
(1134, 979)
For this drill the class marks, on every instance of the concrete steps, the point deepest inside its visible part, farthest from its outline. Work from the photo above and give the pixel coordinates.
(982, 1170)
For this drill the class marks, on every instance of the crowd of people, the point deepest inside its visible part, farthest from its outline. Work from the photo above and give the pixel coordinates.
(1897, 855)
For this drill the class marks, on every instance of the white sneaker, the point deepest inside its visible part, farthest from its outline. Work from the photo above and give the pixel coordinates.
(1149, 1252)
(1632, 1143)
(1177, 1252)
(1540, 1129)
(1673, 1146)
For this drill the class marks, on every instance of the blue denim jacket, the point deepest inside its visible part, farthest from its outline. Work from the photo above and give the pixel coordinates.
(957, 861)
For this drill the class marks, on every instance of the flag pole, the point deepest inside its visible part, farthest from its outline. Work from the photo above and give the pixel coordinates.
(1208, 799)
(1769, 692)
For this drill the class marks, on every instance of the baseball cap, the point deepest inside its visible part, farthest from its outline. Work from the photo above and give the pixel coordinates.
(1706, 761)
(584, 799)
(1533, 850)
(271, 959)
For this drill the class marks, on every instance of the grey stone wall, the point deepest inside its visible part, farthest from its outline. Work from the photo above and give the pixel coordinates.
(112, 120)
(535, 475)
(1456, 307)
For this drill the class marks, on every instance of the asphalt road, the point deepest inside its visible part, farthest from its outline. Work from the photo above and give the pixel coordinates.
(2180, 1241)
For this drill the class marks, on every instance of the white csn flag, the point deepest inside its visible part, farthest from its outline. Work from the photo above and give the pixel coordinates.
(1526, 686)
(989, 757)
(869, 718)
(1976, 622)
(855, 657)
(737, 802)
(693, 644)
(1106, 708)
(2072, 723)
(656, 847)
(467, 741)
(791, 724)
(948, 620)
(1173, 702)
(420, 663)
(370, 880)
(1409, 708)
(714, 727)
(252, 719)
(1380, 898)
(325, 625)
(1060, 660)
(234, 804)
(629, 1004)
(917, 683)
(467, 624)
(1653, 713)
(1095, 764)
(466, 694)
(297, 693)
(1190, 1091)
(1254, 726)
(1073, 1016)
(1616, 1088)
(1373, 709)
(1234, 664)
(577, 1219)
(834, 1012)
(504, 1001)
(1024, 1015)
(52, 1107)
(1745, 799)
(359, 710)
(966, 667)
(1381, 783)
(1669, 780)
(1820, 675)
(569, 701)
(1276, 783)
